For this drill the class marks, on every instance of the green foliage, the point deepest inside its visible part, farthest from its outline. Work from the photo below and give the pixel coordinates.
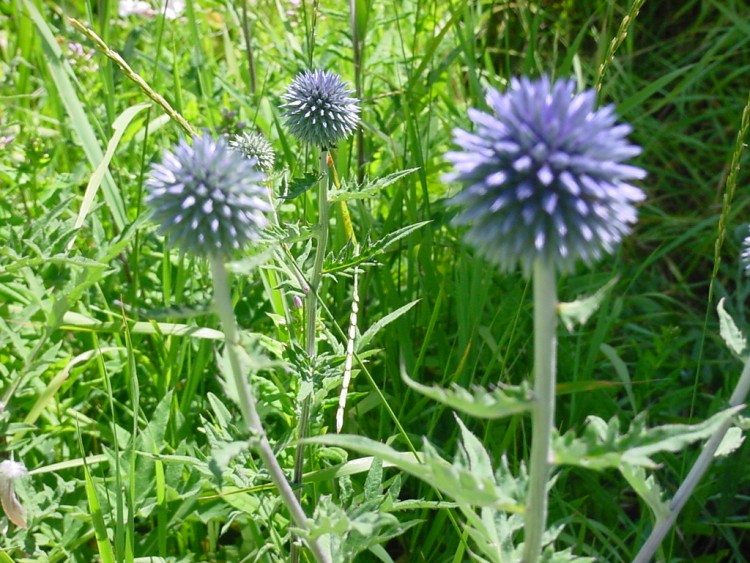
(602, 446)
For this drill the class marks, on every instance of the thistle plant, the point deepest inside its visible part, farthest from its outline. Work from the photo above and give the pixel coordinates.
(255, 146)
(319, 109)
(545, 185)
(320, 112)
(211, 202)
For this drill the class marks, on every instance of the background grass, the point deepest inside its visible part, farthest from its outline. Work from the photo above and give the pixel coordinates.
(148, 402)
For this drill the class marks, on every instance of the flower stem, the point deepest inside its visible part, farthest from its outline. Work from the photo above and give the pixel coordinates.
(543, 409)
(248, 406)
(311, 315)
(696, 473)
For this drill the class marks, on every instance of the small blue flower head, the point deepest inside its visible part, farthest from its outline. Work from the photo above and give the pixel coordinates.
(207, 197)
(255, 146)
(745, 257)
(319, 108)
(544, 177)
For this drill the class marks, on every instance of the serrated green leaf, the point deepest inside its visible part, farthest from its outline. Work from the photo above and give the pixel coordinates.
(221, 457)
(349, 257)
(480, 402)
(602, 446)
(478, 458)
(730, 333)
(647, 489)
(580, 310)
(454, 480)
(732, 440)
(299, 186)
(369, 188)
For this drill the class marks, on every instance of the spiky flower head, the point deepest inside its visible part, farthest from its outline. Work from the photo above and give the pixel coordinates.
(745, 257)
(319, 108)
(544, 176)
(207, 197)
(255, 146)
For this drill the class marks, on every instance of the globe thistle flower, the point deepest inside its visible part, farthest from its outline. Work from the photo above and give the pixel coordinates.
(10, 471)
(207, 197)
(319, 109)
(745, 256)
(255, 146)
(544, 177)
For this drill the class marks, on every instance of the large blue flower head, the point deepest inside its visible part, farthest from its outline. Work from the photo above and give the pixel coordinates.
(319, 108)
(544, 177)
(207, 197)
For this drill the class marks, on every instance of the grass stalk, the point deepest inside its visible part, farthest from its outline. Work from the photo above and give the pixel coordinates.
(543, 410)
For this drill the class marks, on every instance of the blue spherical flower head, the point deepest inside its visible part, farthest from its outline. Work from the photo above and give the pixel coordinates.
(319, 108)
(745, 257)
(207, 197)
(544, 177)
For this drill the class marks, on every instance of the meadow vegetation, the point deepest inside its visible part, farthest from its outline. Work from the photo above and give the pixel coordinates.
(116, 393)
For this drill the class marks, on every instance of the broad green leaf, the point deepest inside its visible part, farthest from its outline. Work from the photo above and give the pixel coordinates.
(580, 310)
(603, 446)
(733, 337)
(480, 402)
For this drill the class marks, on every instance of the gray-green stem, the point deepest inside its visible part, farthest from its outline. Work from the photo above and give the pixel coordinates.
(543, 408)
(311, 316)
(224, 307)
(696, 473)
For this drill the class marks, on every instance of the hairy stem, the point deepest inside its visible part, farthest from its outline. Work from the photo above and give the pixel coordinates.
(311, 316)
(247, 403)
(543, 409)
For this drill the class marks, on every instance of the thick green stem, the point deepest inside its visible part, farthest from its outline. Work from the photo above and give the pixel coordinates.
(696, 473)
(543, 409)
(224, 307)
(311, 316)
